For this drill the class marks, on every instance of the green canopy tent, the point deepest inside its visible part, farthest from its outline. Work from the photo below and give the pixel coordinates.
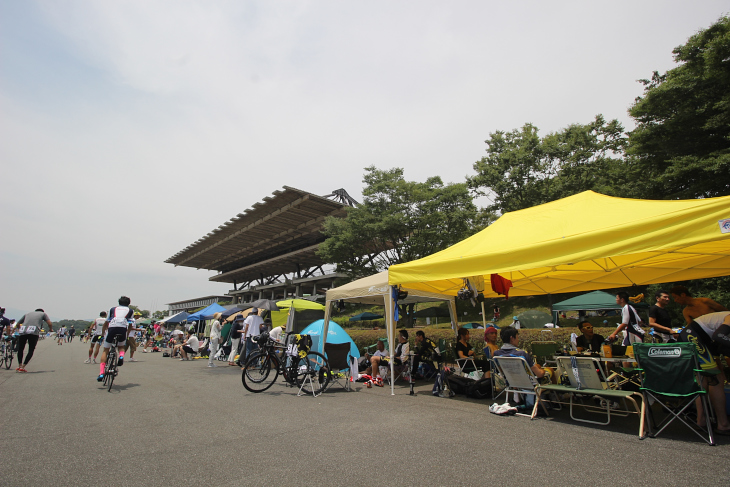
(533, 318)
(594, 301)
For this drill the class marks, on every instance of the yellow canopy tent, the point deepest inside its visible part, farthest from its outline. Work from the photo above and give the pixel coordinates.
(584, 242)
(288, 309)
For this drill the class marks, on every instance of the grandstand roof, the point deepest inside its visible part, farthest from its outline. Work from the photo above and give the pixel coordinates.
(270, 238)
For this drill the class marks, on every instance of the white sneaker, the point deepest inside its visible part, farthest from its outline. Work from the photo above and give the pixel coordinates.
(87, 361)
(212, 365)
(132, 359)
(93, 361)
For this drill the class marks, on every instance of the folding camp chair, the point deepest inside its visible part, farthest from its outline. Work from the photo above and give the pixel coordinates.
(588, 383)
(340, 362)
(546, 351)
(671, 376)
(519, 377)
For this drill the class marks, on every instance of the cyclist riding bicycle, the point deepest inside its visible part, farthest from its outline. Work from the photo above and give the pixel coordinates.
(118, 324)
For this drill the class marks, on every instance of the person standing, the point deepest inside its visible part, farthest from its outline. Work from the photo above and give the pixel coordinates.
(96, 332)
(251, 328)
(235, 334)
(629, 321)
(71, 333)
(496, 313)
(131, 337)
(215, 339)
(659, 318)
(28, 328)
(694, 307)
(61, 335)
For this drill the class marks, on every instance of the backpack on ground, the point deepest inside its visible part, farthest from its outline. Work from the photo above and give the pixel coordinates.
(459, 384)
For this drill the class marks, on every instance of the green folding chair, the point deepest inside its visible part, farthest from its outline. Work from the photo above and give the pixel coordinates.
(671, 377)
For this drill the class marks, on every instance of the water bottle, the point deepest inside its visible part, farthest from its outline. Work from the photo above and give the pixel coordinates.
(606, 349)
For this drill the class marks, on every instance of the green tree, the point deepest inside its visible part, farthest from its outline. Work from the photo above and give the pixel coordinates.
(522, 170)
(398, 221)
(158, 315)
(681, 144)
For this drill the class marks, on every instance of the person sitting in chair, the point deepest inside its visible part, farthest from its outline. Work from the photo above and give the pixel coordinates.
(511, 338)
(464, 350)
(375, 358)
(588, 340)
(490, 341)
(425, 352)
(401, 354)
(189, 346)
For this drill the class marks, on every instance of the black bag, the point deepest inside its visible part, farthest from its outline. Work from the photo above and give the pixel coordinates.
(480, 389)
(459, 384)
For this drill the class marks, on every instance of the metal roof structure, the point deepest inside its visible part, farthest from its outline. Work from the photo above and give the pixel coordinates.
(277, 236)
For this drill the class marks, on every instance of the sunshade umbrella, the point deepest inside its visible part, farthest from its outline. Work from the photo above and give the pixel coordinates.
(367, 315)
(473, 326)
(266, 304)
(233, 311)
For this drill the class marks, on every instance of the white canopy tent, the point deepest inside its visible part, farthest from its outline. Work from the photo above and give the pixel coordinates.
(375, 290)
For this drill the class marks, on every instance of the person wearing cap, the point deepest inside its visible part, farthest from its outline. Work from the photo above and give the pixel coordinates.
(235, 335)
(515, 323)
(490, 341)
(251, 328)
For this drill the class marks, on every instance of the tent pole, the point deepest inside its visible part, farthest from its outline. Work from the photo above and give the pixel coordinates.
(326, 324)
(390, 329)
(484, 317)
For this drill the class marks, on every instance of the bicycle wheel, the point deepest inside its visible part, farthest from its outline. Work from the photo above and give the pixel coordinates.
(260, 373)
(312, 373)
(8, 356)
(111, 365)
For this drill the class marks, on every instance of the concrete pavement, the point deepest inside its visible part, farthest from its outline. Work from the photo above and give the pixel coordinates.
(168, 422)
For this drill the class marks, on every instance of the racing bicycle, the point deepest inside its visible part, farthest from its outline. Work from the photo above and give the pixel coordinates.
(299, 366)
(7, 352)
(111, 369)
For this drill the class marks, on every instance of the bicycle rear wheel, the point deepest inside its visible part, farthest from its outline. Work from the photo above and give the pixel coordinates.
(110, 370)
(260, 372)
(8, 356)
(315, 367)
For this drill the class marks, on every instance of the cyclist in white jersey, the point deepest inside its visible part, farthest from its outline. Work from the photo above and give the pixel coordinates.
(96, 332)
(117, 325)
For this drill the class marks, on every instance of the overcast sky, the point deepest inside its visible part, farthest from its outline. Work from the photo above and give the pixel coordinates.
(130, 129)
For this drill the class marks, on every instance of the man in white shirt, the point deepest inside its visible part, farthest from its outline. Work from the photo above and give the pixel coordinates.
(380, 354)
(189, 346)
(97, 335)
(215, 338)
(251, 328)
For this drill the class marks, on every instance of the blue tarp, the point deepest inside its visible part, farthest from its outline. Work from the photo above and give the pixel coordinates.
(206, 312)
(178, 318)
(335, 334)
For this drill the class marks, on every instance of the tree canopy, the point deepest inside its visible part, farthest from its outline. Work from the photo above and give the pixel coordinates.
(681, 144)
(522, 169)
(398, 221)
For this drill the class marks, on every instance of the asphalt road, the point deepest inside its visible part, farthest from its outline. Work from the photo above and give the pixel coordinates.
(168, 422)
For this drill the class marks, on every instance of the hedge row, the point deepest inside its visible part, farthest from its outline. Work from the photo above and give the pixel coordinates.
(365, 338)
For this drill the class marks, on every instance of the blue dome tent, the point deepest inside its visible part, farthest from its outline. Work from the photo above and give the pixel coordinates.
(335, 334)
